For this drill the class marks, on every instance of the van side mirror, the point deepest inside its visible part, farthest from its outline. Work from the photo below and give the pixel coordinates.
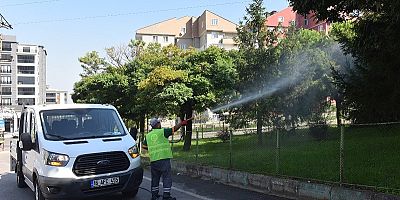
(133, 132)
(26, 142)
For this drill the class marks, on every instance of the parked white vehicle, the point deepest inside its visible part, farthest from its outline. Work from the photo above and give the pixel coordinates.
(74, 151)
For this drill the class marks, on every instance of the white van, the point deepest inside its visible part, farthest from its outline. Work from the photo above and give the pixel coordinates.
(75, 151)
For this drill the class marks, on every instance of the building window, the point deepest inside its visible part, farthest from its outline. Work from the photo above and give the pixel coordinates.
(26, 91)
(6, 57)
(182, 46)
(202, 24)
(293, 23)
(26, 49)
(26, 69)
(183, 30)
(155, 38)
(305, 22)
(26, 80)
(26, 101)
(214, 35)
(51, 94)
(6, 101)
(214, 22)
(281, 19)
(26, 58)
(6, 90)
(165, 38)
(6, 69)
(6, 80)
(321, 28)
(51, 100)
(6, 46)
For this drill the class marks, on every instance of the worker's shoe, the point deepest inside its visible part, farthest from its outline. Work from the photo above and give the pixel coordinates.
(169, 198)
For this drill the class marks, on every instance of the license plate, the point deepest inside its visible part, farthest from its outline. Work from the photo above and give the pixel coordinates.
(104, 182)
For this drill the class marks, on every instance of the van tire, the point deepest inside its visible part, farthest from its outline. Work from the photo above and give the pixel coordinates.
(20, 179)
(38, 192)
(130, 193)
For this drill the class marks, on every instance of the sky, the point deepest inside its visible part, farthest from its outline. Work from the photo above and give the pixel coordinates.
(70, 28)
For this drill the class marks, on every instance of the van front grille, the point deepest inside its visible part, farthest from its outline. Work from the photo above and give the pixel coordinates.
(100, 163)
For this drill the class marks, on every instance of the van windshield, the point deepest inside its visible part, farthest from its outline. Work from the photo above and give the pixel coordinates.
(71, 124)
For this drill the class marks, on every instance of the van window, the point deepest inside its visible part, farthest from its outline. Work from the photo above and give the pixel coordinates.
(71, 124)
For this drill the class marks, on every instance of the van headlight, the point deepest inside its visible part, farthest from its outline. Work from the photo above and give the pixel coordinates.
(133, 152)
(55, 159)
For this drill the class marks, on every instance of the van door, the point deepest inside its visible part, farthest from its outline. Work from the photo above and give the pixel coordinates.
(29, 157)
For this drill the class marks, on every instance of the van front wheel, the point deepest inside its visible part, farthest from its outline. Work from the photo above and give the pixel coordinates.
(38, 192)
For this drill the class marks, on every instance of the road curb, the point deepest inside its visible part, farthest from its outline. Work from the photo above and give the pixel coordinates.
(285, 187)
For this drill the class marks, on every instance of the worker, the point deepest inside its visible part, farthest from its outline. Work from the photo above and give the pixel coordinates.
(157, 143)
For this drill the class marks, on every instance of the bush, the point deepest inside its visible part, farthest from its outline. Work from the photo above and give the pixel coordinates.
(223, 135)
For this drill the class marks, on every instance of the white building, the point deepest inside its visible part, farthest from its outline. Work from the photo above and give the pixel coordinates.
(54, 96)
(209, 29)
(22, 77)
(23, 73)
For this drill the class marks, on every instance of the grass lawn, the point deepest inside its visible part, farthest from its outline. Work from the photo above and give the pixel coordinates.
(372, 155)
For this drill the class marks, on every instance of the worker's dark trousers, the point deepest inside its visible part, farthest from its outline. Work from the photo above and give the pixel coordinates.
(161, 168)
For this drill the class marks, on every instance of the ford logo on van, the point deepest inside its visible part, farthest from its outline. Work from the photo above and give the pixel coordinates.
(103, 162)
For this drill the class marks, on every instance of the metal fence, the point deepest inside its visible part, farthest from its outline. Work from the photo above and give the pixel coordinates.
(363, 156)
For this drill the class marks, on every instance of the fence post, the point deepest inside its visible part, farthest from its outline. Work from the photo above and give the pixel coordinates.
(341, 155)
(172, 143)
(277, 152)
(197, 145)
(202, 131)
(230, 149)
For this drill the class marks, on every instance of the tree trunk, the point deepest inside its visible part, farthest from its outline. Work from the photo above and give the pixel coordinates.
(142, 123)
(259, 125)
(188, 136)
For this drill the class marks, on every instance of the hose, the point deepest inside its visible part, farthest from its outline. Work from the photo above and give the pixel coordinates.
(145, 189)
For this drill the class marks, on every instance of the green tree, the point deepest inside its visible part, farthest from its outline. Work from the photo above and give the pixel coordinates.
(103, 88)
(255, 65)
(305, 58)
(370, 88)
(211, 76)
(92, 64)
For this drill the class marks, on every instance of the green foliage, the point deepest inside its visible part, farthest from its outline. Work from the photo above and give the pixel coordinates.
(252, 31)
(370, 87)
(92, 64)
(158, 81)
(103, 88)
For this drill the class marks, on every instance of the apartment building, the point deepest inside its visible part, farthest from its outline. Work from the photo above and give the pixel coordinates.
(54, 96)
(209, 29)
(23, 73)
(288, 17)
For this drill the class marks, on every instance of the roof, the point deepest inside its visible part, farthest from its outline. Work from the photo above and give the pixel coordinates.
(167, 27)
(70, 106)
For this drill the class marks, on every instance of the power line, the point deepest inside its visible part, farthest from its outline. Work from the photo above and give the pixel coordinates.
(130, 13)
(28, 3)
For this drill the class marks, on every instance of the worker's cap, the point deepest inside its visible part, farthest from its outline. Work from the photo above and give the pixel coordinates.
(154, 121)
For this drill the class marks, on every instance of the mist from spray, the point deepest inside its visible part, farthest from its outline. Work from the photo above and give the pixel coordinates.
(295, 75)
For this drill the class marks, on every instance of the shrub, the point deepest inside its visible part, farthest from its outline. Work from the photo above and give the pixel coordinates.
(223, 135)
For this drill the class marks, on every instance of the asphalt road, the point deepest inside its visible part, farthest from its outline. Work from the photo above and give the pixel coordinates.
(183, 188)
